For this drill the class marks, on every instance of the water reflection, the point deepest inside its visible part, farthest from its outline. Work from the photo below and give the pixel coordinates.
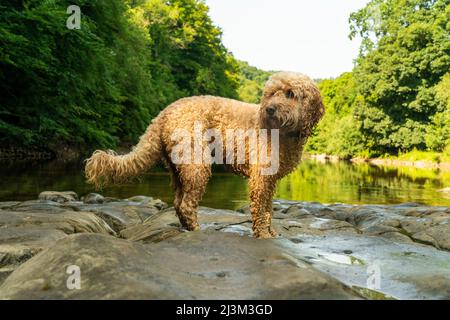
(312, 181)
(363, 183)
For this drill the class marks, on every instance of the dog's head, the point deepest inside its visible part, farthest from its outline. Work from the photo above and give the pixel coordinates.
(292, 103)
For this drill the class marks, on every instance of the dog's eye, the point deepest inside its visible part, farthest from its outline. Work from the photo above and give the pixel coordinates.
(290, 94)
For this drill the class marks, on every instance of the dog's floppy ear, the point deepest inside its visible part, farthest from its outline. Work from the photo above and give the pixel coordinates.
(314, 109)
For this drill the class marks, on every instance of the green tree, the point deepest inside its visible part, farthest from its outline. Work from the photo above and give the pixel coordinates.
(339, 132)
(405, 53)
(252, 81)
(438, 131)
(102, 84)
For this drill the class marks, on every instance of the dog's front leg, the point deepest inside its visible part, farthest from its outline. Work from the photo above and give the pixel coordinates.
(262, 189)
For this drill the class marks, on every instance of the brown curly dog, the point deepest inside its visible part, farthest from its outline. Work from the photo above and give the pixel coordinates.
(291, 106)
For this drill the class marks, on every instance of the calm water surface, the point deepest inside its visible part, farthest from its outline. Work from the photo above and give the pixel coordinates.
(312, 181)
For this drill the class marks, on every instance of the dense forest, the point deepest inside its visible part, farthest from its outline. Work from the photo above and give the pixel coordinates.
(101, 84)
(397, 98)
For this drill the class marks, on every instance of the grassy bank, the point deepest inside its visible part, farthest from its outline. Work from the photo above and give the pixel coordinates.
(426, 156)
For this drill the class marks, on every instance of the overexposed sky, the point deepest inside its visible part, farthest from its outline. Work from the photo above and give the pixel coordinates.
(307, 36)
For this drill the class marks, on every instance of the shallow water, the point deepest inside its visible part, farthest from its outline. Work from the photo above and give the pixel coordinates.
(312, 181)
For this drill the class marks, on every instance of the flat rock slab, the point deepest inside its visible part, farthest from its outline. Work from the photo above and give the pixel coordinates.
(23, 234)
(18, 244)
(58, 196)
(155, 259)
(198, 265)
(120, 215)
(165, 224)
(67, 221)
(399, 270)
(405, 223)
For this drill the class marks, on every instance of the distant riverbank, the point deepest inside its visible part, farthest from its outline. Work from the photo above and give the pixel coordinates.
(402, 161)
(415, 159)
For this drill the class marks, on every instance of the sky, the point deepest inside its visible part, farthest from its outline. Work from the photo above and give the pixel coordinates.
(307, 36)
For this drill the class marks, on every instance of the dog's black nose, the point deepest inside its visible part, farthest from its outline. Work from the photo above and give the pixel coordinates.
(270, 111)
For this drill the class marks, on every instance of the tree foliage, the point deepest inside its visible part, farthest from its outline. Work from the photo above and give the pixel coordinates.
(398, 98)
(103, 83)
(252, 81)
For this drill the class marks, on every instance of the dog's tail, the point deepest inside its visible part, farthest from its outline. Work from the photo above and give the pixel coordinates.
(106, 167)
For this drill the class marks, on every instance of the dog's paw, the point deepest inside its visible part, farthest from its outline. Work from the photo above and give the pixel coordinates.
(266, 234)
(195, 227)
(273, 233)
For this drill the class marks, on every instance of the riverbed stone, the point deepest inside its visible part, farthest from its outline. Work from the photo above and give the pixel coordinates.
(401, 223)
(396, 237)
(296, 212)
(338, 239)
(429, 285)
(69, 222)
(149, 201)
(46, 206)
(313, 226)
(403, 268)
(165, 224)
(93, 198)
(277, 206)
(376, 230)
(196, 265)
(18, 244)
(31, 226)
(58, 196)
(416, 225)
(119, 214)
(439, 217)
(392, 223)
(8, 204)
(438, 236)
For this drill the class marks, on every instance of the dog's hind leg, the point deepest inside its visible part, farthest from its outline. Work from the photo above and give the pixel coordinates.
(193, 180)
(176, 184)
(178, 200)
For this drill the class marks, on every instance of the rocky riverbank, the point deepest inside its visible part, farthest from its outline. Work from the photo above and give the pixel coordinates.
(134, 249)
(322, 158)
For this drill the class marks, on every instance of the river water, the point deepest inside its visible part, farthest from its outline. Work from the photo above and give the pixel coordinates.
(312, 181)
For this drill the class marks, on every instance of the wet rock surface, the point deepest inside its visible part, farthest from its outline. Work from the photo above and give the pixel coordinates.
(199, 265)
(56, 196)
(135, 249)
